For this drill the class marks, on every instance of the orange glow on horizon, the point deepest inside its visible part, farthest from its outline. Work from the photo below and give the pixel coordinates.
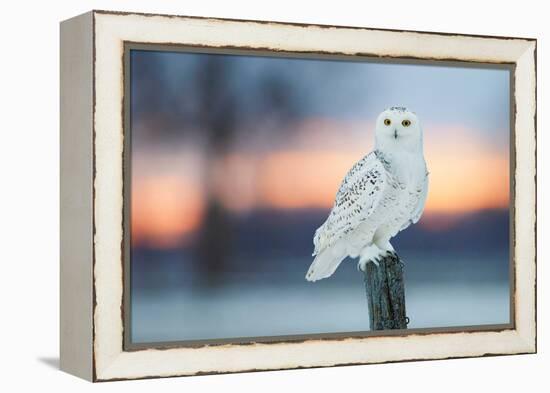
(466, 175)
(164, 209)
(295, 179)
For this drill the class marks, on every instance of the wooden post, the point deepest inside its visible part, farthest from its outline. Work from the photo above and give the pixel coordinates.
(386, 294)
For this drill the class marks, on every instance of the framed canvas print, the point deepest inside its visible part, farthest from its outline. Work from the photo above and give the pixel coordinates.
(245, 195)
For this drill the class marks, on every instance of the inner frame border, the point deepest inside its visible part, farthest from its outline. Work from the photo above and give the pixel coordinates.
(128, 46)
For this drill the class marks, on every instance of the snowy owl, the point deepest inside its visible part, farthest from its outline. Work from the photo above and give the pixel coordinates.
(382, 194)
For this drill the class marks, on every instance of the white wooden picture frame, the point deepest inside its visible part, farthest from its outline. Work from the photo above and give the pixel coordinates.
(92, 195)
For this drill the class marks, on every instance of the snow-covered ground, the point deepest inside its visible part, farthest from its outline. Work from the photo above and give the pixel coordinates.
(176, 313)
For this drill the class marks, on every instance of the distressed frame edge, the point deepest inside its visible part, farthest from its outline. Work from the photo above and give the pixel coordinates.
(305, 24)
(525, 178)
(76, 196)
(528, 340)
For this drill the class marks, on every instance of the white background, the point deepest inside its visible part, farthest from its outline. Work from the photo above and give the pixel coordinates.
(29, 197)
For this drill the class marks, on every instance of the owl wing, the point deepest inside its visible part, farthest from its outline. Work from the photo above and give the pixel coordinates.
(358, 196)
(422, 194)
(421, 201)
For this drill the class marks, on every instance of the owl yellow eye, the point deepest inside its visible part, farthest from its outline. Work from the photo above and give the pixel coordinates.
(406, 123)
(387, 122)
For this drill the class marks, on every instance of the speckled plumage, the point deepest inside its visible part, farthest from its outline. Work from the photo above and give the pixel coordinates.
(382, 194)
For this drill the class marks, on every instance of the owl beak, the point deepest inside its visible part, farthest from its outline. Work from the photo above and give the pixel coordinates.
(395, 133)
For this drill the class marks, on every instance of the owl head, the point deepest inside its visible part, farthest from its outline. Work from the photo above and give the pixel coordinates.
(398, 129)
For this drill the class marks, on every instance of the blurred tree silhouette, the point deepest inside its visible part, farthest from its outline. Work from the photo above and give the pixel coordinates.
(177, 95)
(217, 118)
(220, 114)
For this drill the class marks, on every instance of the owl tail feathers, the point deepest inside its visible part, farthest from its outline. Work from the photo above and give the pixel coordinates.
(324, 265)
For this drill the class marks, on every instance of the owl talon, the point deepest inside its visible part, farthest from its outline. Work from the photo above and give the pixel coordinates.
(362, 264)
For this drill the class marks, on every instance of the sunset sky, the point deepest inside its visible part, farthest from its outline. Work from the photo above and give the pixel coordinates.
(292, 149)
